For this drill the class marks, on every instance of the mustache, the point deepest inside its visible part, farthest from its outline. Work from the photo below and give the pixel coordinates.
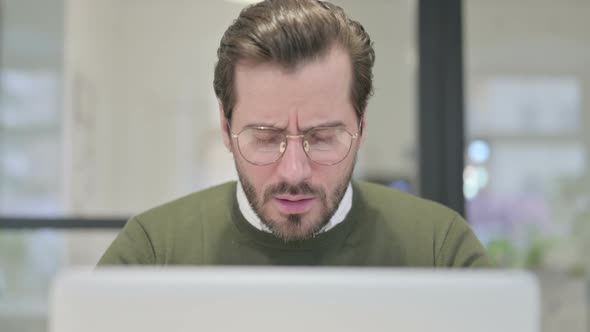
(285, 188)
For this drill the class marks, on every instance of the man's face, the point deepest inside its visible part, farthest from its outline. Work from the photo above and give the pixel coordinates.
(294, 196)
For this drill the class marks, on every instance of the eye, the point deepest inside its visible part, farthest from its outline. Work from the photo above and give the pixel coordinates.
(319, 136)
(267, 136)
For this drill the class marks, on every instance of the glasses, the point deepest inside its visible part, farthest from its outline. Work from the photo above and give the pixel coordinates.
(322, 145)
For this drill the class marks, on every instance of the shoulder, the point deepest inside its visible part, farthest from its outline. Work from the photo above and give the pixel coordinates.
(208, 202)
(427, 229)
(168, 233)
(402, 207)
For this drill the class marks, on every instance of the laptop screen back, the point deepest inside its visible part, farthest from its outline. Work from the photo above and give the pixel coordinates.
(293, 299)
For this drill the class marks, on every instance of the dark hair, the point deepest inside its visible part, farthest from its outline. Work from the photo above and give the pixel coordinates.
(288, 33)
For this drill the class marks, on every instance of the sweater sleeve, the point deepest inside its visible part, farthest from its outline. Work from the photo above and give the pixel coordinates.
(131, 246)
(461, 248)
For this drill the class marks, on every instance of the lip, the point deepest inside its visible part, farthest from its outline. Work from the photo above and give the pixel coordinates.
(294, 204)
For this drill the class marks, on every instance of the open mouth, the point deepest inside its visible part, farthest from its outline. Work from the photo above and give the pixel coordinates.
(294, 205)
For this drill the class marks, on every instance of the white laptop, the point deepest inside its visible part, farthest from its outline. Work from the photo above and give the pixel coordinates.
(293, 299)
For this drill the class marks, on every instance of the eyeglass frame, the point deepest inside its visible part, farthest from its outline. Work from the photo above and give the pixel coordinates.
(352, 136)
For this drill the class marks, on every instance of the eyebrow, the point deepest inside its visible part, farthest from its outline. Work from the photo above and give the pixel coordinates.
(323, 125)
(302, 129)
(262, 124)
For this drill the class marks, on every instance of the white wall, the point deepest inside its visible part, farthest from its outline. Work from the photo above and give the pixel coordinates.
(141, 119)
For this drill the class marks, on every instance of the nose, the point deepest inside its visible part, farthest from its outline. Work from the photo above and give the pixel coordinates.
(294, 167)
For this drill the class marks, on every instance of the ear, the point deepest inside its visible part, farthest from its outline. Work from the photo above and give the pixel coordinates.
(363, 130)
(224, 127)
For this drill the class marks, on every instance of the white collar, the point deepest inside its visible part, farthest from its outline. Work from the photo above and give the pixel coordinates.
(254, 220)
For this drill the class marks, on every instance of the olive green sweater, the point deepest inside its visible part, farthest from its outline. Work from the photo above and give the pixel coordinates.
(384, 227)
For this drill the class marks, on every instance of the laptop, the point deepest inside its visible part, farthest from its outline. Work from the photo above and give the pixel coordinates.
(293, 299)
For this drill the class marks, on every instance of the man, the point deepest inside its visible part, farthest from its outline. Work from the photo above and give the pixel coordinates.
(293, 79)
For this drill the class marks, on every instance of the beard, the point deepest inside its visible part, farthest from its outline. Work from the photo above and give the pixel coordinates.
(296, 227)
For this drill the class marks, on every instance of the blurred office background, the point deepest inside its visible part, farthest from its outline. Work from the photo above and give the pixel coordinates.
(107, 109)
